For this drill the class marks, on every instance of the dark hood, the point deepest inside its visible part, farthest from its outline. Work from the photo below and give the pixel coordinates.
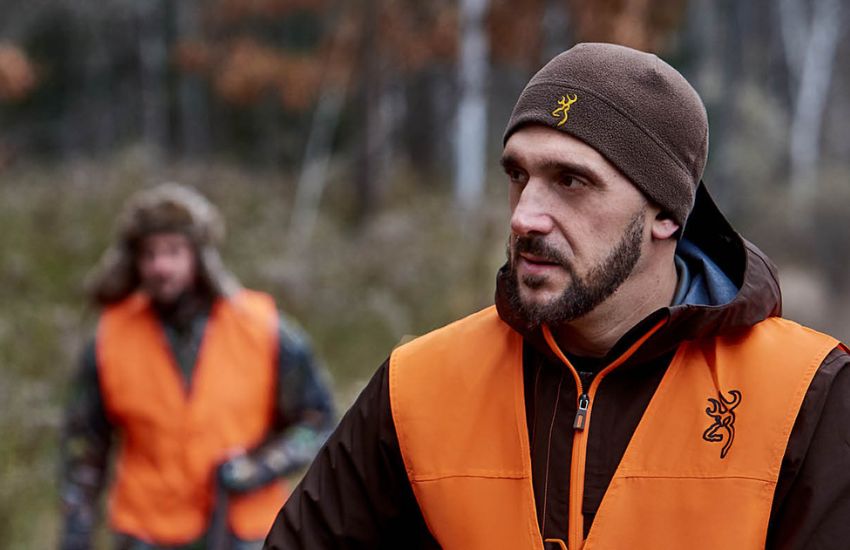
(745, 266)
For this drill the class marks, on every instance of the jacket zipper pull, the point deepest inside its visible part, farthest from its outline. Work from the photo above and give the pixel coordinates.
(581, 413)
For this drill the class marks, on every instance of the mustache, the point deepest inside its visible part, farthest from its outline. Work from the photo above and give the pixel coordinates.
(537, 246)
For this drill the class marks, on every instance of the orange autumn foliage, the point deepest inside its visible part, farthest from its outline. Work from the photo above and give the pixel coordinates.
(17, 74)
(249, 70)
(516, 27)
(408, 37)
(243, 69)
(193, 56)
(515, 30)
(641, 24)
(412, 39)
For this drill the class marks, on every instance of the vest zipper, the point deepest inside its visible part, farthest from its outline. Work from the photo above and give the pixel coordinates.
(581, 412)
(581, 426)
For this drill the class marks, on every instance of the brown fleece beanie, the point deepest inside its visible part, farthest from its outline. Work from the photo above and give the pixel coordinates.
(633, 108)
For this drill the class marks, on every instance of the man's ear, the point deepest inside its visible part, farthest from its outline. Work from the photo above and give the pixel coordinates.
(663, 227)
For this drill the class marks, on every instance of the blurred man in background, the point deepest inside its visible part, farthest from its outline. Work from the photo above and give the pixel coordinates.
(209, 394)
(634, 386)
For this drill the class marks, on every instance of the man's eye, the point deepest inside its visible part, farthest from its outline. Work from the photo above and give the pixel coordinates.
(514, 175)
(571, 181)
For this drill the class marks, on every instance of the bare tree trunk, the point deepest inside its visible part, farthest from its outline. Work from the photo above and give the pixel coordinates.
(473, 73)
(313, 177)
(555, 27)
(706, 33)
(367, 178)
(98, 91)
(153, 56)
(716, 74)
(810, 55)
(422, 119)
(194, 114)
(792, 17)
(317, 154)
(268, 130)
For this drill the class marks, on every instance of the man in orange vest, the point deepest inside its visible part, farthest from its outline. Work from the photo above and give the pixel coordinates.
(210, 395)
(633, 387)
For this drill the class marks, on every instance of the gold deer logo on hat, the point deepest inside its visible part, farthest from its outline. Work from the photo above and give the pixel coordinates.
(564, 108)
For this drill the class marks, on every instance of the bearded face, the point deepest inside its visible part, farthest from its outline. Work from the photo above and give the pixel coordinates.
(578, 225)
(578, 294)
(167, 266)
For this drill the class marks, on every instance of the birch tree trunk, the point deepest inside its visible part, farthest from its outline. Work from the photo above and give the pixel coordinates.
(810, 56)
(317, 154)
(471, 135)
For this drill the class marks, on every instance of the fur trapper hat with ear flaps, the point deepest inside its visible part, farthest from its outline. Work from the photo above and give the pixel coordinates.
(169, 207)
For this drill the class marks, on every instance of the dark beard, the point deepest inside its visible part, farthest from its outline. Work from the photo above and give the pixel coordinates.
(582, 294)
(181, 312)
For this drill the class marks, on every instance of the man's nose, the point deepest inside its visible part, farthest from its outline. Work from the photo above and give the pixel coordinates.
(161, 263)
(532, 212)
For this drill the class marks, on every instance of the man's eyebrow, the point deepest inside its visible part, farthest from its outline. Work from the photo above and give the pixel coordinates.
(565, 166)
(510, 161)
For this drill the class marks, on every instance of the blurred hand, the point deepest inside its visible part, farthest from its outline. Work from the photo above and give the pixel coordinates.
(243, 473)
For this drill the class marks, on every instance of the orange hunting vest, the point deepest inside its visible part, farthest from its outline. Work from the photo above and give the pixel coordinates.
(172, 440)
(699, 472)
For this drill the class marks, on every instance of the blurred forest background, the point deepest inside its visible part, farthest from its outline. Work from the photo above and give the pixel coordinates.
(352, 147)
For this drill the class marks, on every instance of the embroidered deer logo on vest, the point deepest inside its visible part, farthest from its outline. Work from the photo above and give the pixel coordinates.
(723, 412)
(564, 107)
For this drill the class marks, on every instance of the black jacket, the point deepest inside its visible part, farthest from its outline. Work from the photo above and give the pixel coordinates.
(356, 494)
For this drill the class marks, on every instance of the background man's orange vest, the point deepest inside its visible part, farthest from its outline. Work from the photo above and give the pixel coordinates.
(172, 440)
(688, 479)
